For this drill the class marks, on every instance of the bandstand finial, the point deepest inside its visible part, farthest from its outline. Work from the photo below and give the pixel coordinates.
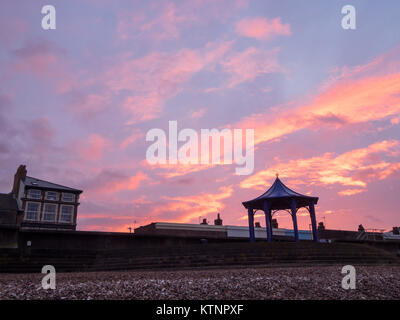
(277, 174)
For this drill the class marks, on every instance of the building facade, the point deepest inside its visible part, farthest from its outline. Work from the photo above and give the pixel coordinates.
(215, 231)
(45, 205)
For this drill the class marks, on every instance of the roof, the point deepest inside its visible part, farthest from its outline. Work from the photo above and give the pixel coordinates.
(279, 197)
(42, 184)
(8, 202)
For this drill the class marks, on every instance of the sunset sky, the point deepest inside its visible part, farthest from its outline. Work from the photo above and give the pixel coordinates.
(76, 104)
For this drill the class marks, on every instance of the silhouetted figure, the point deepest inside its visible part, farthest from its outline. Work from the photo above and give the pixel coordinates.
(204, 221)
(321, 226)
(274, 223)
(257, 225)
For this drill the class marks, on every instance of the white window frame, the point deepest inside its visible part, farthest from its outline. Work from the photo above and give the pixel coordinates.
(30, 196)
(57, 196)
(44, 212)
(38, 213)
(72, 213)
(68, 193)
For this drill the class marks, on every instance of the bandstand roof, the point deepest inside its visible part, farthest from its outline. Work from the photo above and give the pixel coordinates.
(279, 197)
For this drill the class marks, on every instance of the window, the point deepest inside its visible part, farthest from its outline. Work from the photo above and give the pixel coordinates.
(50, 211)
(68, 197)
(66, 213)
(32, 211)
(52, 195)
(34, 194)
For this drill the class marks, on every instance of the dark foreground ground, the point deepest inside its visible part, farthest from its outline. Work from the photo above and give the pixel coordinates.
(319, 282)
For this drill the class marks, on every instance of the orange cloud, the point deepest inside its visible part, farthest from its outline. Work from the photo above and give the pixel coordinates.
(261, 28)
(198, 205)
(128, 184)
(350, 192)
(354, 168)
(120, 183)
(362, 94)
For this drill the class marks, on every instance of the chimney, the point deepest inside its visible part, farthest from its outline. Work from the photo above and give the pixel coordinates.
(274, 223)
(20, 174)
(396, 231)
(258, 225)
(218, 221)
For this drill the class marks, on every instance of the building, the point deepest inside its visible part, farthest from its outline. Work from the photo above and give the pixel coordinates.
(41, 204)
(216, 231)
(392, 235)
(349, 235)
(10, 213)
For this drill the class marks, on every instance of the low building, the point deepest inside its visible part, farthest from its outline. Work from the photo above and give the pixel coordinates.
(10, 213)
(394, 234)
(215, 231)
(348, 235)
(39, 204)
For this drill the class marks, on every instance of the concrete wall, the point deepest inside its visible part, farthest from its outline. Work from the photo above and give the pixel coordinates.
(88, 240)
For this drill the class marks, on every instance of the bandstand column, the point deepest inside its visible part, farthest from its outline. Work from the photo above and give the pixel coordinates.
(294, 218)
(251, 224)
(268, 226)
(313, 222)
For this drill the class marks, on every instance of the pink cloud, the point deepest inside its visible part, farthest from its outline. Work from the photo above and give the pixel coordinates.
(355, 168)
(41, 130)
(198, 114)
(162, 22)
(167, 20)
(137, 134)
(261, 28)
(363, 94)
(152, 80)
(92, 148)
(249, 64)
(192, 207)
(87, 105)
(350, 192)
(168, 171)
(157, 77)
(108, 183)
(46, 60)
